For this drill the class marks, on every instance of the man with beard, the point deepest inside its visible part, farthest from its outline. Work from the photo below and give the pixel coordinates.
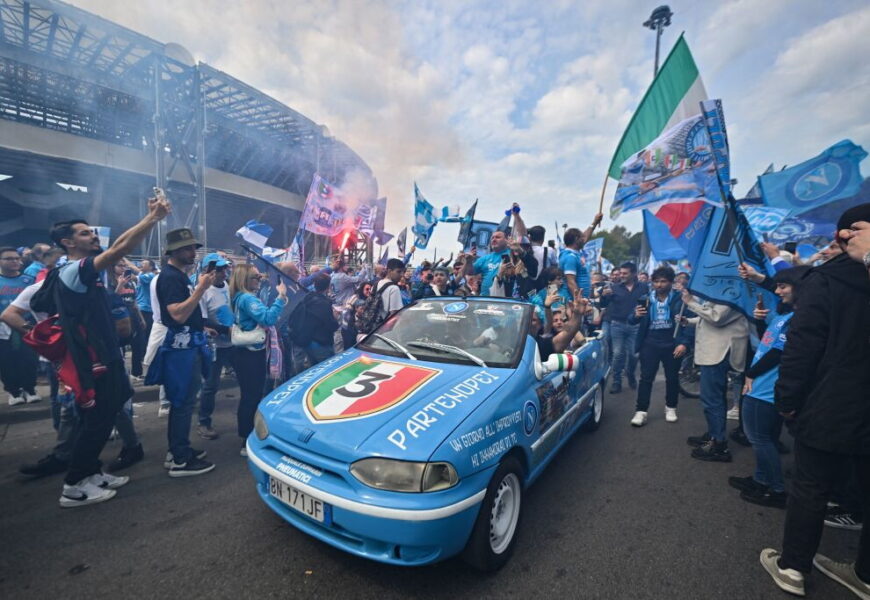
(84, 305)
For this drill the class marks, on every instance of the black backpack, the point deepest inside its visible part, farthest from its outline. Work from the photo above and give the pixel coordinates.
(371, 315)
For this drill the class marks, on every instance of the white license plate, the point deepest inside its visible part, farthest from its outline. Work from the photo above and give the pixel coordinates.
(297, 500)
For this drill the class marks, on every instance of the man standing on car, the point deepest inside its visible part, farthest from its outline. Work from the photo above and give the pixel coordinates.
(822, 392)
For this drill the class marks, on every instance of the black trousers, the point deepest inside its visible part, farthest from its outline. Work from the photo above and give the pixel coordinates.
(112, 390)
(18, 365)
(817, 475)
(250, 369)
(139, 344)
(650, 357)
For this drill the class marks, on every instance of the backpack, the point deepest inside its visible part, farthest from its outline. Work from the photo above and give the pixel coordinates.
(371, 315)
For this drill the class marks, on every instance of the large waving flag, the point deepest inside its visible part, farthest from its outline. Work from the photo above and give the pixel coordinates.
(325, 211)
(424, 219)
(673, 97)
(830, 176)
(592, 251)
(254, 233)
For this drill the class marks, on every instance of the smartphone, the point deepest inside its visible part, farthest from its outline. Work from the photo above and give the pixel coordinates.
(128, 272)
(642, 302)
(473, 246)
(552, 289)
(211, 266)
(790, 247)
(159, 193)
(759, 301)
(505, 258)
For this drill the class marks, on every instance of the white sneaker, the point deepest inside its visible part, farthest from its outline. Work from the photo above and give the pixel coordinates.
(107, 481)
(243, 452)
(83, 493)
(31, 398)
(163, 411)
(16, 400)
(733, 414)
(670, 414)
(639, 419)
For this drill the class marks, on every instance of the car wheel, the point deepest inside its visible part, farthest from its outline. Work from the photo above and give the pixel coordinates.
(494, 535)
(597, 408)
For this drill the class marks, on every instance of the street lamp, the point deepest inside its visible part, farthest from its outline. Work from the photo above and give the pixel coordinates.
(658, 20)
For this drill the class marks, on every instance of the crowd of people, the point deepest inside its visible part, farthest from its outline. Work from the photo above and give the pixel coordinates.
(190, 319)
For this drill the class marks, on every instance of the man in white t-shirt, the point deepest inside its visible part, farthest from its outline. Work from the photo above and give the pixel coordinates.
(391, 298)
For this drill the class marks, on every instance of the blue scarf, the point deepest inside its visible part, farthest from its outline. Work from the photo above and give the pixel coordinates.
(173, 364)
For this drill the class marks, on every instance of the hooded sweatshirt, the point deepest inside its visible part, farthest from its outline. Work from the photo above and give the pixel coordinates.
(824, 375)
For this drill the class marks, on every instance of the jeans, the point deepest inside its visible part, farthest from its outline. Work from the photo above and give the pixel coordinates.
(650, 357)
(250, 368)
(714, 386)
(624, 338)
(605, 330)
(761, 423)
(318, 353)
(817, 473)
(112, 390)
(18, 364)
(181, 414)
(68, 429)
(223, 357)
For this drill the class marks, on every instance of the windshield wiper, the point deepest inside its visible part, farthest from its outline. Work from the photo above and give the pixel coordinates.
(448, 348)
(395, 345)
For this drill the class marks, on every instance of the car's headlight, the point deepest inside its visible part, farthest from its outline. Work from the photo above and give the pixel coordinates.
(260, 427)
(404, 476)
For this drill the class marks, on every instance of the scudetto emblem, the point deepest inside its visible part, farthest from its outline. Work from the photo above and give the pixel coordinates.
(364, 387)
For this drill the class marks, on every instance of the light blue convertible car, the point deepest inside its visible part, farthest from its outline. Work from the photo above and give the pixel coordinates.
(418, 444)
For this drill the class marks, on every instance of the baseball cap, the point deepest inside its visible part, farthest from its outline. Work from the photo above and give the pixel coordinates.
(216, 258)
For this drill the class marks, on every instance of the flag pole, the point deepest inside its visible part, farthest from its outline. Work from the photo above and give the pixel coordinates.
(601, 201)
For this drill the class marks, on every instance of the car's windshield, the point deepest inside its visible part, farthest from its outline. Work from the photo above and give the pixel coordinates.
(449, 329)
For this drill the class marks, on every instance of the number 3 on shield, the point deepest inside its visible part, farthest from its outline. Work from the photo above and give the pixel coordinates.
(365, 383)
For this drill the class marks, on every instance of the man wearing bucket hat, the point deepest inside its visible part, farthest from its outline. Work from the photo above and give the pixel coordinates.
(184, 359)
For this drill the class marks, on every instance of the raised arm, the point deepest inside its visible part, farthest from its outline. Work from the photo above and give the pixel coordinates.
(158, 208)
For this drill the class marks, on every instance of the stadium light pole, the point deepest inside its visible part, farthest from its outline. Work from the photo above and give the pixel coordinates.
(658, 20)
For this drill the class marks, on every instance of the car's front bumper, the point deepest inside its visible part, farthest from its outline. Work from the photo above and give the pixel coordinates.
(391, 527)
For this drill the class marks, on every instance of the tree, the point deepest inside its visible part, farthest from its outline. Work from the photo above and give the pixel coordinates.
(620, 245)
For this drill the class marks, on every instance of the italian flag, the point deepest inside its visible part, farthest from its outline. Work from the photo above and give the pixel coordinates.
(674, 96)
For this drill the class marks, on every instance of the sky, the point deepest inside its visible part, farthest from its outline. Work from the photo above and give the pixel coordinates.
(521, 101)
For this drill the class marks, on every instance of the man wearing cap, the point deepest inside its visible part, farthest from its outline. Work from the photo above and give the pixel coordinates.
(821, 392)
(220, 318)
(184, 358)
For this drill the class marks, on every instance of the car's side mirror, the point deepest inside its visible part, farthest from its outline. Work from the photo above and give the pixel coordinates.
(556, 362)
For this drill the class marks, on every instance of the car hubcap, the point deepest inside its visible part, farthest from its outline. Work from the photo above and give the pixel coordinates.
(505, 513)
(598, 406)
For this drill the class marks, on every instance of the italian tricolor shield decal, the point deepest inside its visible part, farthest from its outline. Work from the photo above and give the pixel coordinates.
(364, 387)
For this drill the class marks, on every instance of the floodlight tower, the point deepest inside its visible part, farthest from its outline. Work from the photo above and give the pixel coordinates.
(658, 20)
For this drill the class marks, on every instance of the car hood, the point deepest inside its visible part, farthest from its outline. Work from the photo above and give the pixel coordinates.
(359, 404)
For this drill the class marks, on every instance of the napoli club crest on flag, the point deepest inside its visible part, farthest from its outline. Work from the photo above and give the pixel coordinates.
(364, 387)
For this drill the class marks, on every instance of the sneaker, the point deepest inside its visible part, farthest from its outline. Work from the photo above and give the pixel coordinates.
(31, 398)
(745, 484)
(83, 493)
(243, 452)
(194, 466)
(639, 419)
(632, 381)
(843, 573)
(713, 451)
(207, 432)
(616, 388)
(127, 457)
(733, 413)
(16, 400)
(838, 518)
(696, 441)
(198, 454)
(163, 411)
(106, 481)
(670, 414)
(739, 436)
(47, 465)
(765, 497)
(788, 580)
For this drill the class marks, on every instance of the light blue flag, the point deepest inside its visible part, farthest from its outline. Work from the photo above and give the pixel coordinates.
(661, 243)
(764, 219)
(592, 252)
(424, 220)
(606, 266)
(831, 175)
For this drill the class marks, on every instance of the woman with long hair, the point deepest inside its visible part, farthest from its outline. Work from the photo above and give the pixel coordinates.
(250, 361)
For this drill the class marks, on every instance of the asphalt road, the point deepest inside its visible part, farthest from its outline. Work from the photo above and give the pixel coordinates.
(621, 513)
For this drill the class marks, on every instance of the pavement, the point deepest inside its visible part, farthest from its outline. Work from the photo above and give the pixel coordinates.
(620, 513)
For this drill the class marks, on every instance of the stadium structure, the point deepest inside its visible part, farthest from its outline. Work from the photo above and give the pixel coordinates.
(94, 115)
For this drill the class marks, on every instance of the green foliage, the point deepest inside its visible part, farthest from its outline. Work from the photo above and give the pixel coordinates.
(620, 244)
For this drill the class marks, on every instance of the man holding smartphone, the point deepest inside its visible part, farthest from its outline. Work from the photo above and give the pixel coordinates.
(660, 339)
